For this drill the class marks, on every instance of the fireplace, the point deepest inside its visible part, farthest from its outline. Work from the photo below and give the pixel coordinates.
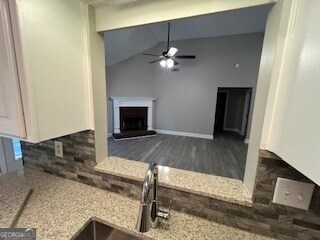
(132, 117)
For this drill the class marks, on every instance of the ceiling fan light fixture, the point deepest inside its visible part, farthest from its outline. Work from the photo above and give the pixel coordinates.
(168, 57)
(163, 63)
(170, 63)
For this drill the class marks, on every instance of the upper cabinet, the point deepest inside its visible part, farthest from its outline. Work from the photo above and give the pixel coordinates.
(45, 91)
(11, 112)
(294, 120)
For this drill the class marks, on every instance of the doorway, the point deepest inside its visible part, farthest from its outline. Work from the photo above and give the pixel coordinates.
(233, 111)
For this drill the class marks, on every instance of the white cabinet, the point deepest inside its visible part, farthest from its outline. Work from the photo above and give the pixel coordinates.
(293, 131)
(45, 88)
(11, 112)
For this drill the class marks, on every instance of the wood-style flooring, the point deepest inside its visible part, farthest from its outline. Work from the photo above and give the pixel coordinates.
(225, 155)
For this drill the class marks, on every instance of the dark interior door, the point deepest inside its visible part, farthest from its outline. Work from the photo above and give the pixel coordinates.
(220, 111)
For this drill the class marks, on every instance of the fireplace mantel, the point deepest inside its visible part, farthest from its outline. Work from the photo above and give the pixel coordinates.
(131, 102)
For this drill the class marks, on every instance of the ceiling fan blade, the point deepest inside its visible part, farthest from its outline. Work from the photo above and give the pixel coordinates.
(150, 54)
(186, 57)
(172, 51)
(155, 61)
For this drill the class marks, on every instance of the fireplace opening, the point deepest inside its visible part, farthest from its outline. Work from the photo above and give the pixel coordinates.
(133, 124)
(133, 119)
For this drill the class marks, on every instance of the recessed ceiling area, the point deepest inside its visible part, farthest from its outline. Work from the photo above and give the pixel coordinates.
(124, 43)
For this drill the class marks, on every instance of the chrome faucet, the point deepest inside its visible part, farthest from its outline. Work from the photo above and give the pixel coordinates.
(149, 212)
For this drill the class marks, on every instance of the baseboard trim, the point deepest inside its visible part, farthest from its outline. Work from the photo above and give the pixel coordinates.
(131, 138)
(237, 130)
(246, 140)
(186, 134)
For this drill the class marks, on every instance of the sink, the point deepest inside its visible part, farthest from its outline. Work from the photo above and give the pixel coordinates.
(98, 231)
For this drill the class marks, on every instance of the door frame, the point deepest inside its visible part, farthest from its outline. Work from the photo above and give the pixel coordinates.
(246, 112)
(225, 110)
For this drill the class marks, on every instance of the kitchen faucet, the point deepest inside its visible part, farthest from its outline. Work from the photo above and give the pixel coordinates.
(149, 212)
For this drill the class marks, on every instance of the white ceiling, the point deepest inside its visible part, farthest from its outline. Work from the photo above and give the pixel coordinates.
(124, 43)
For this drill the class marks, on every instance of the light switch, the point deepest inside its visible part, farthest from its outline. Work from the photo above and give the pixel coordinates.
(58, 149)
(293, 193)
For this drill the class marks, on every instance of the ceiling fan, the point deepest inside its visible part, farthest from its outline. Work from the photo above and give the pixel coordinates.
(168, 57)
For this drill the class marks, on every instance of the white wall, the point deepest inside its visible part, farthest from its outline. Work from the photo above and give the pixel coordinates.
(186, 100)
(132, 78)
(128, 42)
(294, 124)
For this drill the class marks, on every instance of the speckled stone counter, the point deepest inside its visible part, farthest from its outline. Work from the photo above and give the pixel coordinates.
(59, 208)
(221, 188)
(13, 194)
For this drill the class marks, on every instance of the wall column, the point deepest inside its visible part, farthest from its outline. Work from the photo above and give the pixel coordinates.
(116, 117)
(150, 112)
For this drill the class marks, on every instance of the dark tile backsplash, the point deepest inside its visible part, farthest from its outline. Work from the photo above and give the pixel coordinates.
(78, 157)
(264, 217)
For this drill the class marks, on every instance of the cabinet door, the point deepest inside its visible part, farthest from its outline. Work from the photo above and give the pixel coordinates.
(11, 111)
(295, 130)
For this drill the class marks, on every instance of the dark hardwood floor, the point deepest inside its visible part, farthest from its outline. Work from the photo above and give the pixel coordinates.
(225, 155)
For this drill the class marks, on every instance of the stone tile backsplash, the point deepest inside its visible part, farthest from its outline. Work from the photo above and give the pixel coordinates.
(264, 217)
(78, 157)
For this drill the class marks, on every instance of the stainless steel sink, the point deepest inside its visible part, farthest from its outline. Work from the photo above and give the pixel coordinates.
(98, 231)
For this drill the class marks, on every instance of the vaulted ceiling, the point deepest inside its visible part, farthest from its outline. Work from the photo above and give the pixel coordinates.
(125, 43)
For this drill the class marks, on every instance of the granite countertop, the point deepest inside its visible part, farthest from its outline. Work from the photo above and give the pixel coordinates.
(13, 194)
(59, 208)
(221, 188)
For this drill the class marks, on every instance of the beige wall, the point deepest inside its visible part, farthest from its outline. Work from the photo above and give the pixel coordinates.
(97, 76)
(146, 11)
(272, 55)
(186, 100)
